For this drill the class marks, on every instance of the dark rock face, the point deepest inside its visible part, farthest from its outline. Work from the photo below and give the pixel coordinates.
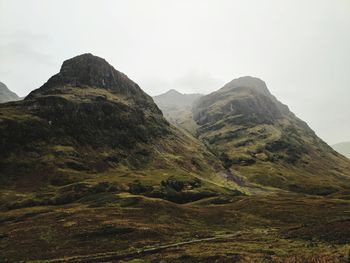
(98, 123)
(90, 71)
(6, 94)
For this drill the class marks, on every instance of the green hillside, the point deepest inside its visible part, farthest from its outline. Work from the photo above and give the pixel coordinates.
(261, 140)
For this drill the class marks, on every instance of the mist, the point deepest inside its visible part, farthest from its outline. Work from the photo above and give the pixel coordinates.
(301, 49)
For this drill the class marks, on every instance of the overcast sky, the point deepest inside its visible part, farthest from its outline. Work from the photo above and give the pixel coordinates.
(300, 48)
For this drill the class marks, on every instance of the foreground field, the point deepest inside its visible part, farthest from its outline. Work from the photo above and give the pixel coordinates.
(111, 227)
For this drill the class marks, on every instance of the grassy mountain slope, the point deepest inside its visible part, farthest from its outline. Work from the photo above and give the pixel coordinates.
(264, 143)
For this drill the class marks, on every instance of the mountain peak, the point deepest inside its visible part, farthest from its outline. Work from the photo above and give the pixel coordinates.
(90, 70)
(248, 82)
(82, 62)
(173, 92)
(87, 70)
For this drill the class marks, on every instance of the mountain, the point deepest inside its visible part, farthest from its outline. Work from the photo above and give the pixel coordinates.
(6, 94)
(265, 143)
(177, 108)
(343, 148)
(90, 120)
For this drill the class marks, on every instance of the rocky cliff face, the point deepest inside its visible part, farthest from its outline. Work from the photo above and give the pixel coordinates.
(256, 135)
(86, 71)
(6, 94)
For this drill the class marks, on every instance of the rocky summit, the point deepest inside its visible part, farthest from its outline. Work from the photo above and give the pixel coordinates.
(86, 71)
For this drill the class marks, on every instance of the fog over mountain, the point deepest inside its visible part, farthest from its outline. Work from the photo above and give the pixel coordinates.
(300, 48)
(6, 94)
(175, 98)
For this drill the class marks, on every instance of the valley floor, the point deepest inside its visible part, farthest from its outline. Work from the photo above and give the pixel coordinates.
(115, 227)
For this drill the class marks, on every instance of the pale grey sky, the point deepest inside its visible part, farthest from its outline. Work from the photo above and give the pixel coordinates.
(300, 48)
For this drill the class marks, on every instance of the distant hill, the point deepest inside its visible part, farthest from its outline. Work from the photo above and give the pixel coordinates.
(343, 148)
(175, 98)
(177, 108)
(6, 94)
